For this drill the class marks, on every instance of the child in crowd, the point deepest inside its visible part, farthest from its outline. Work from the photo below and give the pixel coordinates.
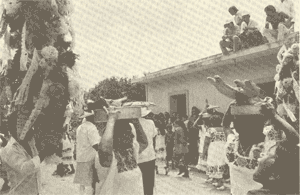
(181, 147)
(67, 155)
(216, 154)
(169, 141)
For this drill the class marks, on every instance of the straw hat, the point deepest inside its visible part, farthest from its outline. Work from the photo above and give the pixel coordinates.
(228, 21)
(210, 107)
(245, 13)
(145, 111)
(206, 115)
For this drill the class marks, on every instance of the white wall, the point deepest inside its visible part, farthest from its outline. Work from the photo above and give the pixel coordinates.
(199, 89)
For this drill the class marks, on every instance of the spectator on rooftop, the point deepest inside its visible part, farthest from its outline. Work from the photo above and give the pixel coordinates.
(250, 35)
(287, 7)
(230, 39)
(276, 27)
(237, 15)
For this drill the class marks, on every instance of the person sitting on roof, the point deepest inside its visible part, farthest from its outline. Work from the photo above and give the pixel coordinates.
(237, 15)
(276, 21)
(287, 7)
(230, 39)
(250, 35)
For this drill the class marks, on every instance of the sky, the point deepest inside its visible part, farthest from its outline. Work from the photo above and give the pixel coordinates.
(126, 38)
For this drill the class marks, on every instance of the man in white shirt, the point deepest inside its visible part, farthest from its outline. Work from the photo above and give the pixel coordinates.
(146, 160)
(87, 138)
(250, 35)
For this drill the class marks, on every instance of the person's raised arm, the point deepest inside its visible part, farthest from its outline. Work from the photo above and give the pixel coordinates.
(291, 134)
(227, 122)
(105, 151)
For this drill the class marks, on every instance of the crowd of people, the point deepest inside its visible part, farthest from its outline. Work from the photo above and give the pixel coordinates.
(243, 32)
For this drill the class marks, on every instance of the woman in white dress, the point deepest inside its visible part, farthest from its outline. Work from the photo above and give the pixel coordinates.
(116, 164)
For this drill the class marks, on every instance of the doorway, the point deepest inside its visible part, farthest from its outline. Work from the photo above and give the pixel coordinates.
(178, 103)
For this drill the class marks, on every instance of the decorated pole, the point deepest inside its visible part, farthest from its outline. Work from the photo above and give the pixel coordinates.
(38, 69)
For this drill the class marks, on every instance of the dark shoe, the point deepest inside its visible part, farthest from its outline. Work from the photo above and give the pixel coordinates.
(54, 173)
(167, 170)
(180, 172)
(186, 175)
(71, 172)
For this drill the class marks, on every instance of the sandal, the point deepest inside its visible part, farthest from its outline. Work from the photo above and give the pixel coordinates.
(209, 180)
(221, 188)
(216, 184)
(167, 170)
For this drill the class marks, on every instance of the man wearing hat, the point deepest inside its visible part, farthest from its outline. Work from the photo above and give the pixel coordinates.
(88, 138)
(250, 35)
(230, 38)
(146, 160)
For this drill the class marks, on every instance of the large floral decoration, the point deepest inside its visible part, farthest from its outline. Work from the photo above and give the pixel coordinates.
(39, 86)
(287, 85)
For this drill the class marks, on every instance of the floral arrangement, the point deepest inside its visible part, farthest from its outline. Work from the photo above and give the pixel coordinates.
(37, 69)
(287, 85)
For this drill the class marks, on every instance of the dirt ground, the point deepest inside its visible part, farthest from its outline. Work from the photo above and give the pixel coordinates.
(165, 185)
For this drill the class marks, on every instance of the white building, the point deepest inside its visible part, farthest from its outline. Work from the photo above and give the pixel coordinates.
(178, 88)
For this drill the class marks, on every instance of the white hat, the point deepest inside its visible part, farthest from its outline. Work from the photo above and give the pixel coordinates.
(212, 107)
(145, 111)
(245, 13)
(86, 114)
(206, 115)
(228, 21)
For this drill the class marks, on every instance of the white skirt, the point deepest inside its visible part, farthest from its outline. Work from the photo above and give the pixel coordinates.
(241, 180)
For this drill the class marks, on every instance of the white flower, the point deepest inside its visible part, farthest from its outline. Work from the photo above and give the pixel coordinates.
(50, 53)
(11, 6)
(278, 68)
(287, 82)
(68, 37)
(294, 50)
(65, 7)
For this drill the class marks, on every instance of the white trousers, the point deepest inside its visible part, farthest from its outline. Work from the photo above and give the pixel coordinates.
(241, 180)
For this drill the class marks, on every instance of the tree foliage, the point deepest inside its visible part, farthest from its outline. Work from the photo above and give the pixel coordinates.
(114, 88)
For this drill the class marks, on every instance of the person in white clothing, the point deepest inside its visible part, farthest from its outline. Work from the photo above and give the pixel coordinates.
(146, 160)
(117, 164)
(250, 35)
(88, 138)
(3, 173)
(278, 25)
